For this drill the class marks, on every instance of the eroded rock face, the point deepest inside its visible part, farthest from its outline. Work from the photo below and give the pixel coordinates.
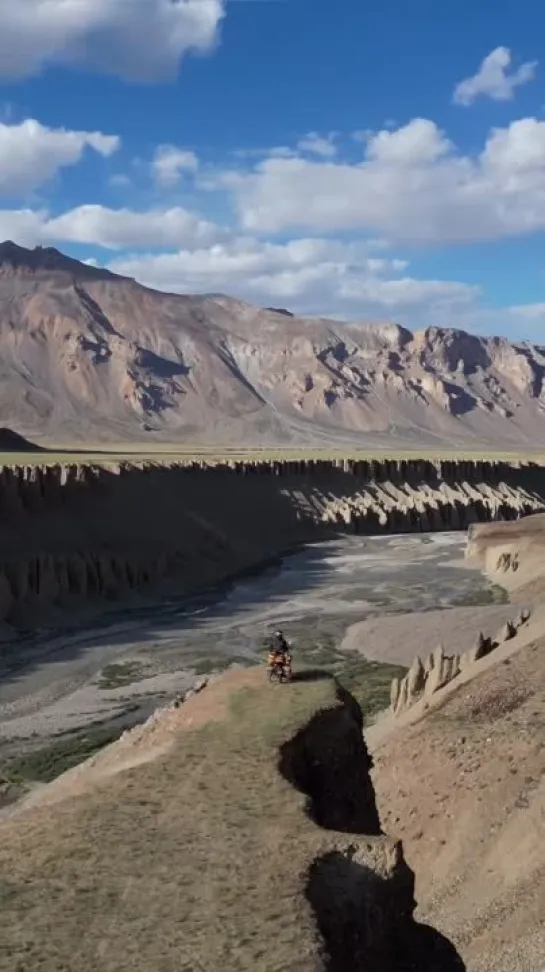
(82, 532)
(426, 678)
(361, 889)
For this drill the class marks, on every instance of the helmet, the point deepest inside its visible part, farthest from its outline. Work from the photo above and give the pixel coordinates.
(278, 633)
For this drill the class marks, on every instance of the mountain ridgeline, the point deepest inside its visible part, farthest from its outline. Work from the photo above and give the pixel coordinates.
(91, 356)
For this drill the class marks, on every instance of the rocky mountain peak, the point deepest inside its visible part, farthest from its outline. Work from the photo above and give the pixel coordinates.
(45, 259)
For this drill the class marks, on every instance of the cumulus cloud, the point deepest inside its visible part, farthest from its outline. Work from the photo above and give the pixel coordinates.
(169, 163)
(312, 276)
(493, 80)
(113, 229)
(138, 40)
(412, 185)
(31, 153)
(417, 143)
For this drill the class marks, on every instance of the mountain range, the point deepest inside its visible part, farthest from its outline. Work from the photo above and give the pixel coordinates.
(87, 356)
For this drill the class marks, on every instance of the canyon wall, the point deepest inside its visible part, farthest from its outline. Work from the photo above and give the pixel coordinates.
(74, 532)
(512, 554)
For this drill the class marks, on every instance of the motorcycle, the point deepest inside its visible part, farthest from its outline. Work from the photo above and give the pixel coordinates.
(279, 669)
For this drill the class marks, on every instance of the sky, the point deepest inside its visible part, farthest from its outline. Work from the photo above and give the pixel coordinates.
(358, 159)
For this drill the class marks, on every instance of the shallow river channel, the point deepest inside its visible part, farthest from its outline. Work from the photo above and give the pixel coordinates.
(123, 667)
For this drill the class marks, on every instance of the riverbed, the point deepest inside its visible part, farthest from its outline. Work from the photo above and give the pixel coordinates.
(136, 659)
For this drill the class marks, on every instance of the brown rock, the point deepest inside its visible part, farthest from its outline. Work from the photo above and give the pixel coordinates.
(507, 632)
(395, 690)
(522, 618)
(445, 667)
(416, 679)
(402, 697)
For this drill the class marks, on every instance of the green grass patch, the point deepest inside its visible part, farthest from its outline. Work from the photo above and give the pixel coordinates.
(44, 765)
(218, 663)
(241, 660)
(492, 594)
(369, 682)
(209, 664)
(120, 674)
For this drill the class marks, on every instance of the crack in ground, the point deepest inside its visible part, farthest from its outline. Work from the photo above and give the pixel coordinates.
(365, 918)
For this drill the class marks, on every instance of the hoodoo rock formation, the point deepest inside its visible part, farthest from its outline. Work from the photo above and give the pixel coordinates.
(73, 532)
(424, 678)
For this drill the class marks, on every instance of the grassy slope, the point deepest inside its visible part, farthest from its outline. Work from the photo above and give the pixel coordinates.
(369, 683)
(196, 860)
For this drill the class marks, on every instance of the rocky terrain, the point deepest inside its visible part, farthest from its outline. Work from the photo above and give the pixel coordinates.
(238, 831)
(425, 677)
(249, 827)
(72, 534)
(88, 356)
(462, 775)
(512, 555)
(254, 827)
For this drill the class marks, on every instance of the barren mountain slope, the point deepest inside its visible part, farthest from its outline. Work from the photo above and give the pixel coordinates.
(85, 354)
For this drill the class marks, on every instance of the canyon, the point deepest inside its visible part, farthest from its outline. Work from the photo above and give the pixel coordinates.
(71, 534)
(372, 841)
(123, 578)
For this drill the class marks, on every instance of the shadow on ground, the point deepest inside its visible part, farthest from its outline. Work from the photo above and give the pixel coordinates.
(366, 920)
(311, 675)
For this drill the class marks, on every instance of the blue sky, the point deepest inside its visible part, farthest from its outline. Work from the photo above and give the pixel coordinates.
(358, 160)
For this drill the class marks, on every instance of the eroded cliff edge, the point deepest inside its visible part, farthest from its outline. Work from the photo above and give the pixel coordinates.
(238, 831)
(72, 532)
(512, 554)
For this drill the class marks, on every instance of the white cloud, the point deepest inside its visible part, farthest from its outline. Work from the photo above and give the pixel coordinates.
(530, 312)
(321, 145)
(492, 79)
(310, 276)
(419, 142)
(113, 229)
(170, 162)
(134, 39)
(31, 153)
(24, 226)
(412, 185)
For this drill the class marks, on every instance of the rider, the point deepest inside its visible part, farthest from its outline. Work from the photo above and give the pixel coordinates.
(281, 650)
(280, 645)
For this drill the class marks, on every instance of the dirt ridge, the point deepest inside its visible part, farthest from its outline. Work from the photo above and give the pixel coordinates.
(362, 891)
(355, 885)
